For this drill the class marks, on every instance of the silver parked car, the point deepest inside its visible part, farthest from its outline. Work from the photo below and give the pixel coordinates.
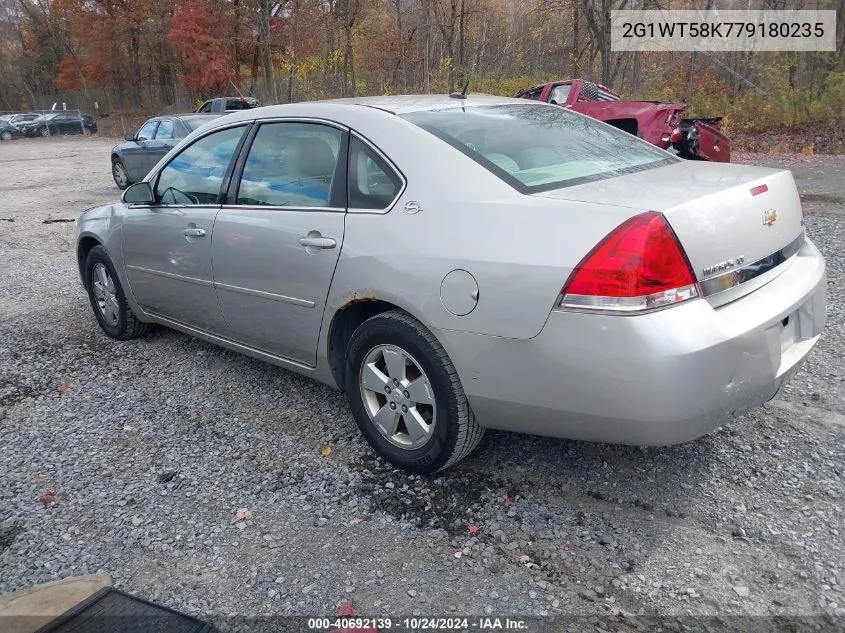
(457, 265)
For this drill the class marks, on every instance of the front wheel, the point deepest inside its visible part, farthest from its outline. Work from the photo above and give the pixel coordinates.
(44, 131)
(6, 135)
(406, 396)
(108, 300)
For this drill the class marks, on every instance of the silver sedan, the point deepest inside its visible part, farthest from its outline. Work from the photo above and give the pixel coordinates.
(459, 264)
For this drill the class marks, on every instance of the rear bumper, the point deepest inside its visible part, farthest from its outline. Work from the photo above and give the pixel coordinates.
(661, 378)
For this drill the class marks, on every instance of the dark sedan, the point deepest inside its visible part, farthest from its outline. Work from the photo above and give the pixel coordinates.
(57, 123)
(130, 161)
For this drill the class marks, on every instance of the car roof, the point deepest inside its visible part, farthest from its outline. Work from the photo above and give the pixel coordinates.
(183, 115)
(350, 109)
(404, 104)
(401, 104)
(190, 114)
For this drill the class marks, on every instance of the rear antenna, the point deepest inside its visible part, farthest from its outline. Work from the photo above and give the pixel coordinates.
(462, 94)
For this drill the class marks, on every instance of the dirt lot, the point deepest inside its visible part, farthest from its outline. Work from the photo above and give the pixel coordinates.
(134, 459)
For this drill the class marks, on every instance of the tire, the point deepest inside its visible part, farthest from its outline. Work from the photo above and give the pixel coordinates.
(116, 318)
(44, 131)
(453, 433)
(6, 135)
(118, 172)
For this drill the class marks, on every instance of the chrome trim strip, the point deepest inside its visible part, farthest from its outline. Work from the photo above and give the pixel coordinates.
(622, 305)
(276, 207)
(166, 275)
(265, 295)
(734, 278)
(300, 119)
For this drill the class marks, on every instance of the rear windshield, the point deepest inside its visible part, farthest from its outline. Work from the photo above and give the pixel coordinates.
(193, 122)
(537, 147)
(240, 104)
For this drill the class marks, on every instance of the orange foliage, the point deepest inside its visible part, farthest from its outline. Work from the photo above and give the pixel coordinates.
(195, 35)
(68, 77)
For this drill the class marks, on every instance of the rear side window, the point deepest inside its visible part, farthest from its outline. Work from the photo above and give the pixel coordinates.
(536, 148)
(165, 130)
(291, 165)
(373, 184)
(195, 175)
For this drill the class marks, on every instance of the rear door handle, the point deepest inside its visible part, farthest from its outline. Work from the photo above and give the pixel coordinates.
(317, 242)
(193, 232)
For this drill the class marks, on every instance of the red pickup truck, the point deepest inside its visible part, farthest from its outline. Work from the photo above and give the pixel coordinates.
(661, 124)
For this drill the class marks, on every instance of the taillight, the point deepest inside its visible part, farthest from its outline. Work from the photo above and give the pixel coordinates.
(640, 265)
(673, 137)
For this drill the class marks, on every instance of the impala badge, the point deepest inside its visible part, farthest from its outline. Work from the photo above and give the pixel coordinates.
(770, 217)
(739, 260)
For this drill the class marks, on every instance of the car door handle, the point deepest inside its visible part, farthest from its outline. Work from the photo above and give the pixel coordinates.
(193, 232)
(317, 242)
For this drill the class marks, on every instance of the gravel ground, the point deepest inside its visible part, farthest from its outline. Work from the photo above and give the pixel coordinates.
(198, 478)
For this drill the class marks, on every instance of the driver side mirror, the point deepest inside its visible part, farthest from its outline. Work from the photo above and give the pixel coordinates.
(139, 193)
(129, 136)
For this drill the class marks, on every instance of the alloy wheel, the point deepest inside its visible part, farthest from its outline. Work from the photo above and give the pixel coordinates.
(106, 294)
(398, 396)
(119, 173)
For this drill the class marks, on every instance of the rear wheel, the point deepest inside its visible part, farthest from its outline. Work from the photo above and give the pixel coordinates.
(108, 300)
(406, 396)
(118, 172)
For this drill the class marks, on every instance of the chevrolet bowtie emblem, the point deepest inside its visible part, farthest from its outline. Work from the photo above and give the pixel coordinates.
(770, 217)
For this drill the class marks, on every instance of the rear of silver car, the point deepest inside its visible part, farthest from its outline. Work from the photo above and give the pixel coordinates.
(672, 368)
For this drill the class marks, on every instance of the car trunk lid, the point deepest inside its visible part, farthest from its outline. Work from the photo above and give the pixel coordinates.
(738, 224)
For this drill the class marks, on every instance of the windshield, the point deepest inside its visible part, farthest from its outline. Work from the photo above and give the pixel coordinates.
(537, 147)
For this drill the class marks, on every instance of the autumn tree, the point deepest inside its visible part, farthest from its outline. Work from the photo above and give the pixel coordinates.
(208, 60)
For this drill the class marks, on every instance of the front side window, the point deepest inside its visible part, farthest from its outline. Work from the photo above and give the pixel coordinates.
(195, 175)
(206, 107)
(536, 148)
(165, 130)
(291, 165)
(373, 184)
(147, 131)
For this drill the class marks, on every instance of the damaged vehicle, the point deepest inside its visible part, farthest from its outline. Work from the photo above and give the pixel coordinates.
(661, 124)
(582, 284)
